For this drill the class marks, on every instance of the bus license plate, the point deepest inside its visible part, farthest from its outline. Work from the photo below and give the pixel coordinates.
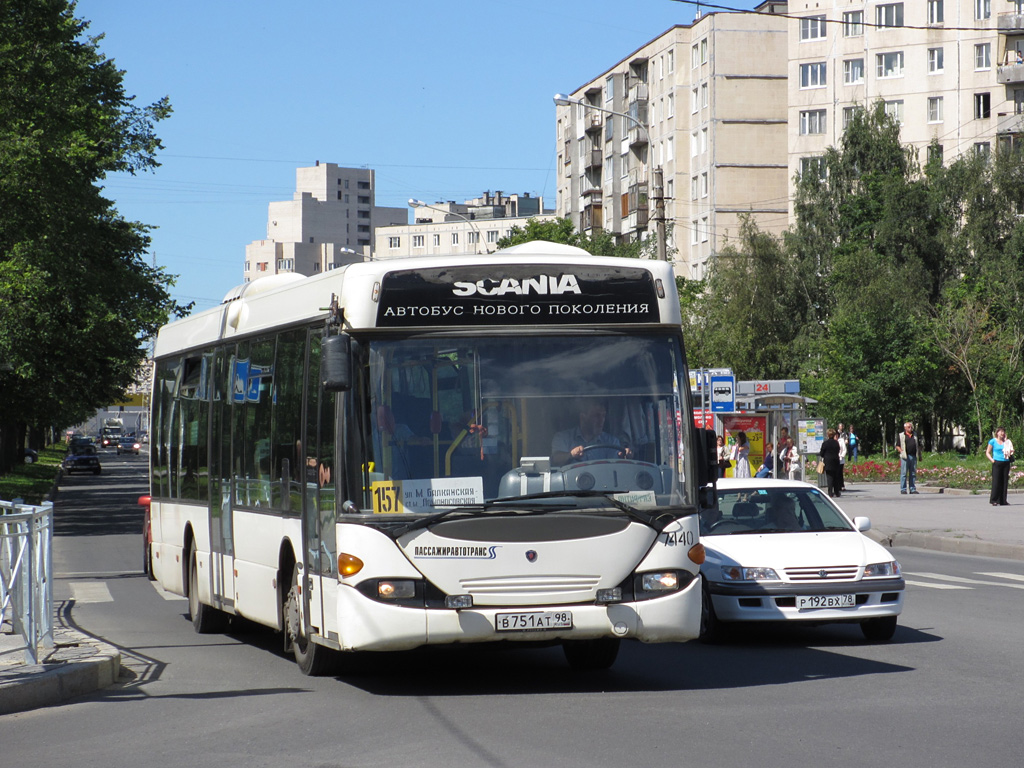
(812, 602)
(525, 622)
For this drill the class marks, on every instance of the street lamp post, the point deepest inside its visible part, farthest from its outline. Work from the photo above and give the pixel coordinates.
(564, 100)
(414, 203)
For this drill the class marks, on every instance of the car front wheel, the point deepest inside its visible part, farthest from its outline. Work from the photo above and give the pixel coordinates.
(879, 630)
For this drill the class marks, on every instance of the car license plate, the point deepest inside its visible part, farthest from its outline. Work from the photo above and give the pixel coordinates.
(812, 602)
(525, 622)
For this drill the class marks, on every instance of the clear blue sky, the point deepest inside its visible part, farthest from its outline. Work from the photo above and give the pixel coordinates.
(442, 100)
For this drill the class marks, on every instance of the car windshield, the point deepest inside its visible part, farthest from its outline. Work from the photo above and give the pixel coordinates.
(772, 510)
(466, 420)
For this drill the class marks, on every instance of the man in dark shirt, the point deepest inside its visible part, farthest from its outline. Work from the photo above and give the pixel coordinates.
(909, 448)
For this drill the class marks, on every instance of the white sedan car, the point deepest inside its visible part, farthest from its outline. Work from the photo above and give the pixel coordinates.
(781, 550)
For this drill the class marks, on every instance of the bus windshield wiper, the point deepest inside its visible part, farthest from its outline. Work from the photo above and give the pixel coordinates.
(650, 519)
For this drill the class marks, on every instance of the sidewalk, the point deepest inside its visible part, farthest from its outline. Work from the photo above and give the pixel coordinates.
(943, 520)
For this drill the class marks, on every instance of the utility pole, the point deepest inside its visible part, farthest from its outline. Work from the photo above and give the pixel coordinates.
(659, 213)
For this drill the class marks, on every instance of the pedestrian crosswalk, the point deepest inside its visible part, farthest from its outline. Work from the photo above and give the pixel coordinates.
(946, 581)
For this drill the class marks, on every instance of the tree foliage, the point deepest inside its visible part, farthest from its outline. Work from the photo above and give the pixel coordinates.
(77, 298)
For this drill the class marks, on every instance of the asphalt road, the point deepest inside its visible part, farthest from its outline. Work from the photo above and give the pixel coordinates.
(944, 692)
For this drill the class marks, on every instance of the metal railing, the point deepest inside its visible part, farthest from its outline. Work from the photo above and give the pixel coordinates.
(26, 573)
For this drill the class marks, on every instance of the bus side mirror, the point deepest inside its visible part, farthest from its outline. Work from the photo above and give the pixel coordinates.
(336, 363)
(707, 457)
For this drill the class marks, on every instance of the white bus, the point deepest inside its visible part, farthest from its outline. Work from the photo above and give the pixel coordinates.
(366, 459)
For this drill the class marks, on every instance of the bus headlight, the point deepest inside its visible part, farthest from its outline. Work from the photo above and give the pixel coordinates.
(396, 589)
(665, 581)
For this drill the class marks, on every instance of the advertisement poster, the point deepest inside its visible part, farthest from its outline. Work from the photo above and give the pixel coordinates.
(754, 427)
(812, 435)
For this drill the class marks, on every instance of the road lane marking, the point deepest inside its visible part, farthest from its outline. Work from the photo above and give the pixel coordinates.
(1013, 576)
(962, 580)
(930, 585)
(165, 594)
(90, 592)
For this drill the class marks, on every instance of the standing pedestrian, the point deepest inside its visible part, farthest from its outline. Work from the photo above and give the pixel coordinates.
(792, 460)
(723, 456)
(829, 455)
(853, 444)
(909, 448)
(1000, 453)
(841, 438)
(740, 456)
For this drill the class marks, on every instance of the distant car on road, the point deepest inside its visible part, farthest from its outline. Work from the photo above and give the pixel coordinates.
(83, 459)
(127, 445)
(781, 550)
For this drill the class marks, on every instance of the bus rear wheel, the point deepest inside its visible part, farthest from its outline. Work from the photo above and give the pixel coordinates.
(313, 659)
(586, 655)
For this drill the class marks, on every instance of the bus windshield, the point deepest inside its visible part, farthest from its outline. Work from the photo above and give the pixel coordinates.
(464, 420)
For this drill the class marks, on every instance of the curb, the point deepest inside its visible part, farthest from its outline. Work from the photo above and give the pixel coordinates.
(77, 665)
(953, 545)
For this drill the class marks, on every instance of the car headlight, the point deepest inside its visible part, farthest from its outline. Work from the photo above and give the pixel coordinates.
(890, 569)
(738, 573)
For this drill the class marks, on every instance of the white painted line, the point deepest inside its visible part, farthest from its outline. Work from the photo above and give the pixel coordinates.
(90, 592)
(962, 580)
(929, 585)
(1012, 576)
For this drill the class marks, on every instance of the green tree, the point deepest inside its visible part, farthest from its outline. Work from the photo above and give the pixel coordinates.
(77, 298)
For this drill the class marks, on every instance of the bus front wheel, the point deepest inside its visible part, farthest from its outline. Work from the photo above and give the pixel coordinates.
(313, 659)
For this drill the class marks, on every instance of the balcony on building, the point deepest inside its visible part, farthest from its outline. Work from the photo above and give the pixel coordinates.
(591, 217)
(593, 159)
(635, 206)
(592, 121)
(1010, 124)
(1011, 23)
(1009, 74)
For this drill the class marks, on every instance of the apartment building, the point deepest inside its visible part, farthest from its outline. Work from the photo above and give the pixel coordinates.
(946, 69)
(449, 228)
(707, 104)
(329, 222)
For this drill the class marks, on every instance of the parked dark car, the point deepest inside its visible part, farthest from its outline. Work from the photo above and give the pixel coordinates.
(82, 459)
(31, 456)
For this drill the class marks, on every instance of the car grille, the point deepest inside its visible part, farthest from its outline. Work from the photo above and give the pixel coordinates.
(823, 573)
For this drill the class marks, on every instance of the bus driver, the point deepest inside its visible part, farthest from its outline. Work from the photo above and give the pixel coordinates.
(588, 441)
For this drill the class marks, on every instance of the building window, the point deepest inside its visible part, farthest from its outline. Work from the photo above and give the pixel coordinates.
(935, 61)
(694, 101)
(704, 184)
(363, 184)
(848, 115)
(436, 240)
(982, 9)
(473, 238)
(492, 235)
(935, 153)
(694, 188)
(695, 56)
(983, 56)
(670, 149)
(935, 12)
(812, 28)
(812, 122)
(704, 230)
(982, 148)
(889, 15)
(417, 241)
(694, 145)
(853, 71)
(894, 109)
(704, 94)
(704, 51)
(812, 166)
(889, 64)
(982, 106)
(609, 89)
(812, 75)
(671, 61)
(694, 232)
(394, 242)
(671, 105)
(853, 23)
(935, 109)
(455, 238)
(703, 139)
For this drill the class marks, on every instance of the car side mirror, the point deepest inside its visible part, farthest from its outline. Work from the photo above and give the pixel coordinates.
(862, 524)
(336, 363)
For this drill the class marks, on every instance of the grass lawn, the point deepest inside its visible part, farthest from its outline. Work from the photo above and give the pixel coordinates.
(31, 482)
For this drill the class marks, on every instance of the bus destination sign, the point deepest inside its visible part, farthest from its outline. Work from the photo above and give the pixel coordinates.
(523, 294)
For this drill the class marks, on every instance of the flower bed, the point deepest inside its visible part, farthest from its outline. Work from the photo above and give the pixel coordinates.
(936, 470)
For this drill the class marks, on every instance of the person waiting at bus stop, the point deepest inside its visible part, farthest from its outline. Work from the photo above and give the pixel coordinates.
(588, 441)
